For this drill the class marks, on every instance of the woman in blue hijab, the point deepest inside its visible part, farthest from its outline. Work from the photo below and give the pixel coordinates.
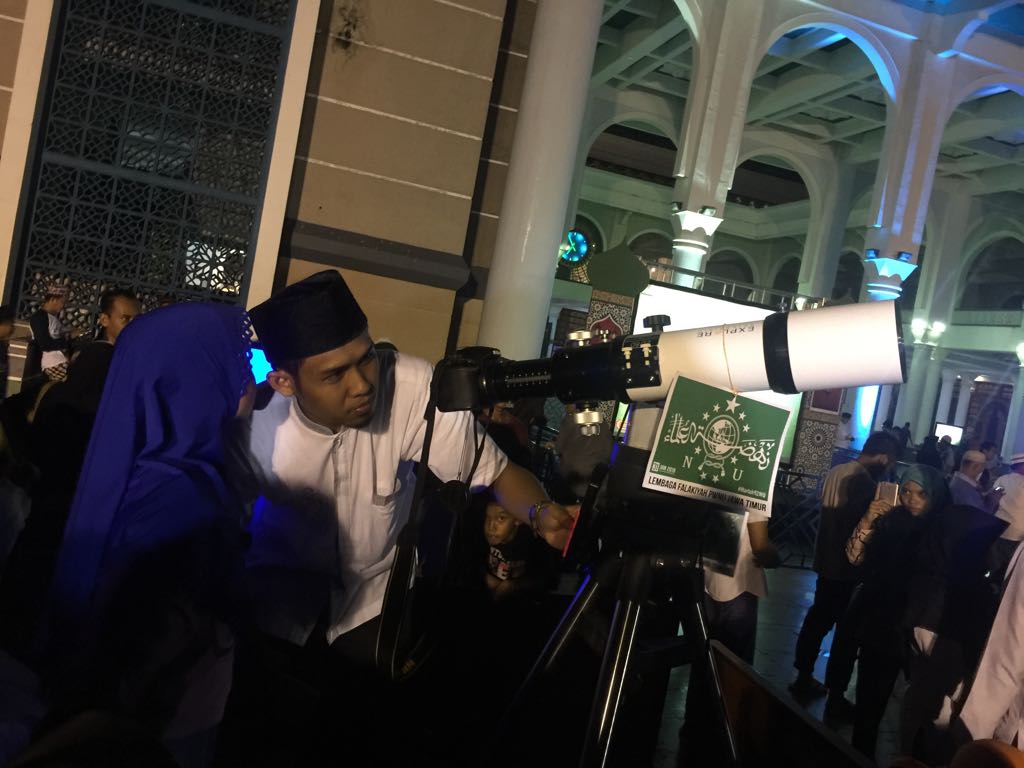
(144, 591)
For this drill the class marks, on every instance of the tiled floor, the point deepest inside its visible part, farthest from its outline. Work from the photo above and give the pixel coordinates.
(790, 593)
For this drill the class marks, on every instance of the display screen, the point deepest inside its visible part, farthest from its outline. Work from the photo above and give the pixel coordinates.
(955, 433)
(260, 365)
(689, 309)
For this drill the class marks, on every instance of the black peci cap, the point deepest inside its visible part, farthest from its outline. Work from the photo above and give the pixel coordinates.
(308, 317)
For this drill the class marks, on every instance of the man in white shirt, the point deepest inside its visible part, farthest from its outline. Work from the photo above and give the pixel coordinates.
(995, 706)
(1010, 509)
(338, 441)
(731, 609)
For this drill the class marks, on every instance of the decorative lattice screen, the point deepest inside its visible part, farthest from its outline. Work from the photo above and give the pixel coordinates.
(152, 159)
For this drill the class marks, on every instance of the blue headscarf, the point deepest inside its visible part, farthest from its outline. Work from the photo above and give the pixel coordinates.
(931, 481)
(174, 384)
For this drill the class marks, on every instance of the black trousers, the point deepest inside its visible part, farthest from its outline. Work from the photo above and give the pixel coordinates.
(734, 624)
(831, 600)
(876, 676)
(312, 705)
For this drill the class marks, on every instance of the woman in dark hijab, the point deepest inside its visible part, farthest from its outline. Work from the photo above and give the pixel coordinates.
(884, 545)
(144, 589)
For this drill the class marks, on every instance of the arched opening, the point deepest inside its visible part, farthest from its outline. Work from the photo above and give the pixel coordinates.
(725, 268)
(978, 154)
(820, 94)
(849, 279)
(788, 277)
(994, 279)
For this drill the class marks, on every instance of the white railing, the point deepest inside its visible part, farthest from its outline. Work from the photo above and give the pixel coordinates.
(734, 289)
(998, 318)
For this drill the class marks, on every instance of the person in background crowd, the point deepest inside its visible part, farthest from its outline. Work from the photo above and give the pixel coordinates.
(844, 434)
(906, 434)
(847, 491)
(118, 307)
(991, 451)
(58, 435)
(928, 453)
(883, 544)
(946, 453)
(994, 708)
(964, 486)
(731, 605)
(1010, 490)
(49, 334)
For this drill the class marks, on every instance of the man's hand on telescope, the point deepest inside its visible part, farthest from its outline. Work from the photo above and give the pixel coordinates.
(518, 491)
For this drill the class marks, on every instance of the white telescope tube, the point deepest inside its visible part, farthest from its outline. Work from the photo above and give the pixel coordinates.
(843, 346)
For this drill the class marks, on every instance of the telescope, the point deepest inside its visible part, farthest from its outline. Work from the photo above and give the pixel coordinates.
(645, 533)
(789, 352)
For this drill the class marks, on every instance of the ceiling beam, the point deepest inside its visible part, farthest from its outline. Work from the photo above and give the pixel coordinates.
(1006, 178)
(803, 85)
(639, 39)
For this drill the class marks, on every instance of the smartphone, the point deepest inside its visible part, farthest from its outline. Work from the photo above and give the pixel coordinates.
(888, 492)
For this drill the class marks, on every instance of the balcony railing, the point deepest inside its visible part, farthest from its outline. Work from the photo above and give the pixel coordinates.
(733, 289)
(996, 318)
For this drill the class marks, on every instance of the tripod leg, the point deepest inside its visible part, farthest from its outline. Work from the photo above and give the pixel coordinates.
(695, 626)
(615, 667)
(581, 604)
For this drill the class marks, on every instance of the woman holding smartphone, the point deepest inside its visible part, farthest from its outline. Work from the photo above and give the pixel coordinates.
(922, 598)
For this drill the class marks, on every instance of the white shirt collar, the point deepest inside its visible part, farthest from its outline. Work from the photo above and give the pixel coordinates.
(307, 423)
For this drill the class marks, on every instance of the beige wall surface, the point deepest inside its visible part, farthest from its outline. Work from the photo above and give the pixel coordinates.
(510, 72)
(394, 118)
(24, 31)
(415, 317)
(12, 22)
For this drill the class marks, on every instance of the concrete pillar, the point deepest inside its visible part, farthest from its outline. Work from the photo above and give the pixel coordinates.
(825, 235)
(948, 377)
(906, 170)
(540, 174)
(713, 125)
(910, 392)
(882, 409)
(1013, 437)
(964, 398)
(925, 422)
(951, 219)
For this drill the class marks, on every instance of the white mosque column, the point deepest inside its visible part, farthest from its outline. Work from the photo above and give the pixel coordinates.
(925, 422)
(951, 219)
(825, 235)
(910, 393)
(906, 170)
(882, 409)
(540, 173)
(713, 125)
(948, 379)
(1013, 437)
(963, 400)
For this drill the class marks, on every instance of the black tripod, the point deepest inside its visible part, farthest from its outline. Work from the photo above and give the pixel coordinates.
(643, 525)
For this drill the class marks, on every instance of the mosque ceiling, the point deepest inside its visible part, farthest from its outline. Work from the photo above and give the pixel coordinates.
(815, 84)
